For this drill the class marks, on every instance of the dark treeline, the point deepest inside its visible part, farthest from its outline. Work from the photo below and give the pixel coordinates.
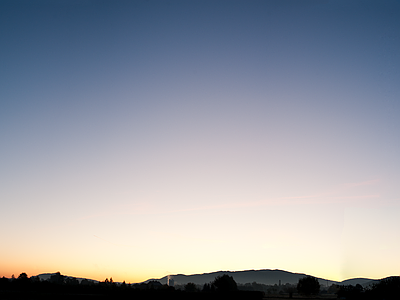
(62, 287)
(388, 288)
(223, 287)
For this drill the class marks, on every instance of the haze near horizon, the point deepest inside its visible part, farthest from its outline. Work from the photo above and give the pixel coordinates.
(147, 138)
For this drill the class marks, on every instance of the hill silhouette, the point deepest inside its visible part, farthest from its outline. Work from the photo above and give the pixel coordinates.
(250, 284)
(265, 276)
(46, 276)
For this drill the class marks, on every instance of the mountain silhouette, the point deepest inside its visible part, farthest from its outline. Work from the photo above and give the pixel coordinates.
(361, 281)
(266, 276)
(46, 276)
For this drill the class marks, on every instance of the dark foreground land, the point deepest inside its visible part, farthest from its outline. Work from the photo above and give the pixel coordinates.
(223, 288)
(145, 295)
(299, 297)
(175, 294)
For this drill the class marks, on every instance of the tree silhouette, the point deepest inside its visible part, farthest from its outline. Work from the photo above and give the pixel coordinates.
(71, 281)
(290, 289)
(206, 287)
(57, 278)
(23, 276)
(308, 286)
(190, 287)
(350, 292)
(225, 283)
(387, 288)
(23, 281)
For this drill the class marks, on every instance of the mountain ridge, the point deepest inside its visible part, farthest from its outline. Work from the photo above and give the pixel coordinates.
(263, 276)
(46, 276)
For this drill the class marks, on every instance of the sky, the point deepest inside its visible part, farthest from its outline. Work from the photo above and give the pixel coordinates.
(140, 138)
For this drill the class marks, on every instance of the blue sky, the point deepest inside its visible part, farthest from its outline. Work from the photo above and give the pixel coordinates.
(147, 138)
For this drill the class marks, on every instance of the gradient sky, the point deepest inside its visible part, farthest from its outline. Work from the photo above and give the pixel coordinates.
(147, 138)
